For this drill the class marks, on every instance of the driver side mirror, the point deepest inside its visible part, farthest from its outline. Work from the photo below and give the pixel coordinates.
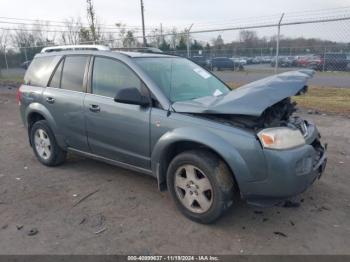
(131, 95)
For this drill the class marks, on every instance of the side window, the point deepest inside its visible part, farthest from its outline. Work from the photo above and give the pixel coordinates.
(73, 73)
(56, 79)
(109, 76)
(40, 70)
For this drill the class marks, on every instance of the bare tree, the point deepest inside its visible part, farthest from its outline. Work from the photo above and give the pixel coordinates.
(3, 40)
(30, 42)
(3, 43)
(126, 37)
(173, 41)
(218, 42)
(248, 37)
(92, 20)
(71, 36)
(155, 38)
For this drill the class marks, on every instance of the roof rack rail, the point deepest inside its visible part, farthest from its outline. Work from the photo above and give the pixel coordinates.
(75, 47)
(138, 49)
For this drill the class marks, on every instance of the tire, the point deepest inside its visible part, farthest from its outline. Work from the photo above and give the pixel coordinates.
(44, 144)
(206, 167)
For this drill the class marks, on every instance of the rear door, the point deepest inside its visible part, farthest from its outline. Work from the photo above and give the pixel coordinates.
(64, 98)
(116, 131)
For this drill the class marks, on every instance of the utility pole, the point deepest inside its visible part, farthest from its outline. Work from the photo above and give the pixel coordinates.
(278, 43)
(161, 33)
(7, 65)
(188, 41)
(143, 25)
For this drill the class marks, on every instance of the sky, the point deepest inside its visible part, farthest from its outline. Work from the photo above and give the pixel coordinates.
(168, 12)
(180, 13)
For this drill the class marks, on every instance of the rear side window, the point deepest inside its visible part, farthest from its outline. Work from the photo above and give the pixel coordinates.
(109, 76)
(73, 73)
(40, 70)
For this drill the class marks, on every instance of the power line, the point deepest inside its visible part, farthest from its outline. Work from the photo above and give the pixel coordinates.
(65, 26)
(268, 18)
(253, 26)
(47, 25)
(52, 22)
(50, 30)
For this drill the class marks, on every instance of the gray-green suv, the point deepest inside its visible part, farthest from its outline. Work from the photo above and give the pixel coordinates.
(168, 117)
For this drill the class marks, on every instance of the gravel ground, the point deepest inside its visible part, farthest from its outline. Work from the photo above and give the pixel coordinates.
(40, 212)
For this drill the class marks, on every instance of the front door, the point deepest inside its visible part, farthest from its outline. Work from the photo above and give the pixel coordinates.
(116, 131)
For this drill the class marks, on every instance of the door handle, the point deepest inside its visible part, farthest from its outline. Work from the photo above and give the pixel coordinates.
(50, 100)
(94, 108)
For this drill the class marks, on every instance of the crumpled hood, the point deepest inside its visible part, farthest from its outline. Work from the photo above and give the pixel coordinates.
(251, 99)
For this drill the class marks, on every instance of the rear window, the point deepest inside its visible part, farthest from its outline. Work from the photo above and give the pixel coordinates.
(40, 70)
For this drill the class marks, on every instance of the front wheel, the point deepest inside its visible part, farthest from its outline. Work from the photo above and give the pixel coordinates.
(201, 185)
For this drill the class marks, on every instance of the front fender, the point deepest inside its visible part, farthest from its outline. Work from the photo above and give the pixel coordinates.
(205, 137)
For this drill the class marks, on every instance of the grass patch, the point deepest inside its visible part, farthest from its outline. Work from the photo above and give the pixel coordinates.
(10, 81)
(323, 99)
(326, 99)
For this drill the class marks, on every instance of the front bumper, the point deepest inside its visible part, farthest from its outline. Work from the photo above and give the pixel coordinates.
(290, 172)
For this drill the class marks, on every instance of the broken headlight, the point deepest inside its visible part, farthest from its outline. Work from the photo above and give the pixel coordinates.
(281, 138)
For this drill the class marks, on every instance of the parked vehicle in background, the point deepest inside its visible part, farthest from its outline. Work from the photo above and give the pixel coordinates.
(167, 117)
(26, 64)
(200, 60)
(239, 61)
(285, 61)
(329, 62)
(266, 59)
(249, 60)
(242, 61)
(257, 60)
(219, 63)
(304, 60)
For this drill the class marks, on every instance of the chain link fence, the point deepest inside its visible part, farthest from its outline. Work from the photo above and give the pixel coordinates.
(273, 44)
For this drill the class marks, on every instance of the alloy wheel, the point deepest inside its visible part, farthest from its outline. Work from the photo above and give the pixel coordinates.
(42, 144)
(193, 189)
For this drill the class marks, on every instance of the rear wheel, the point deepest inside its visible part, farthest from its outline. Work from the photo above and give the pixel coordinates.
(201, 185)
(44, 144)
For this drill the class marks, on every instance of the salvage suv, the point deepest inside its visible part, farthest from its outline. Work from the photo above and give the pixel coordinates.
(167, 117)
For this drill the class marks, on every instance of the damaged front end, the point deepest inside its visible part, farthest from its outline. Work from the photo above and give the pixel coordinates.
(278, 116)
(294, 154)
(259, 105)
